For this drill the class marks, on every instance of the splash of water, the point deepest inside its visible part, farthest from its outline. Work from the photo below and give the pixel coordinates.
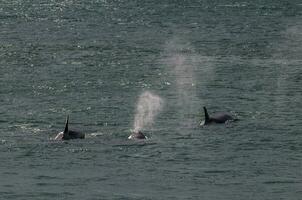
(148, 106)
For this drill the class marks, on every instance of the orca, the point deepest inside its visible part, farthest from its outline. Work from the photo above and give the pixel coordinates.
(218, 118)
(137, 135)
(69, 134)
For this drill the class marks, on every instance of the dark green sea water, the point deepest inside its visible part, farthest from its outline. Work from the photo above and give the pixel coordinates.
(93, 59)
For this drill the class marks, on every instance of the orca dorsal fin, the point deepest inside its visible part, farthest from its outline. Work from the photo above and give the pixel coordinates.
(66, 127)
(206, 115)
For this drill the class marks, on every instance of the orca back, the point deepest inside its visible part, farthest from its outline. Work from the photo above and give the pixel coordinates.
(70, 134)
(221, 118)
(137, 135)
(76, 135)
(216, 118)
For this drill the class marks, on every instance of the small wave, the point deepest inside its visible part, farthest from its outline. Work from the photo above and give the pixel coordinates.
(78, 150)
(46, 184)
(28, 127)
(10, 173)
(216, 171)
(46, 177)
(236, 5)
(95, 134)
(53, 194)
(280, 182)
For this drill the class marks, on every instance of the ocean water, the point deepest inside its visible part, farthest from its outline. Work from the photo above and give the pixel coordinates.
(94, 59)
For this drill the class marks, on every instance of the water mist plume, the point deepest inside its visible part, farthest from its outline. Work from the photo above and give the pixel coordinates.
(182, 61)
(148, 106)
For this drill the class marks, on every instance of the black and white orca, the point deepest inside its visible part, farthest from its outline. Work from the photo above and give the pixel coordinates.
(69, 134)
(138, 135)
(218, 118)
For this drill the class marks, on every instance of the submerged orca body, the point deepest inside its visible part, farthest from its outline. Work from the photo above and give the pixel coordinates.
(219, 118)
(138, 135)
(69, 134)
